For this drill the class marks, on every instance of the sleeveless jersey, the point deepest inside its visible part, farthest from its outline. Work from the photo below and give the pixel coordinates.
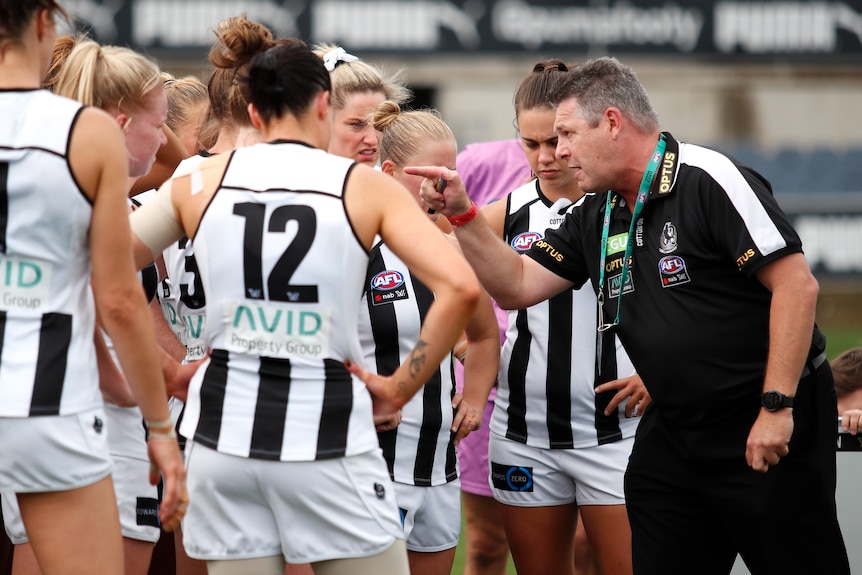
(181, 293)
(47, 313)
(548, 370)
(282, 269)
(420, 450)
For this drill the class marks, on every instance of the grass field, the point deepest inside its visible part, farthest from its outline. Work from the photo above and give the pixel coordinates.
(838, 339)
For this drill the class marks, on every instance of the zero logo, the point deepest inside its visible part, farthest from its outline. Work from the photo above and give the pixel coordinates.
(387, 280)
(671, 264)
(523, 241)
(519, 479)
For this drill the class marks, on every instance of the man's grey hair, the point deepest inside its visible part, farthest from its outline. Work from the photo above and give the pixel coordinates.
(602, 83)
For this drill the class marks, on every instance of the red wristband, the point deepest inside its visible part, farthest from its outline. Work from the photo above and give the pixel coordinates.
(466, 217)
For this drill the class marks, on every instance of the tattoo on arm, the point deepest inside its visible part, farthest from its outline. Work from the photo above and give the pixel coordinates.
(417, 358)
(402, 387)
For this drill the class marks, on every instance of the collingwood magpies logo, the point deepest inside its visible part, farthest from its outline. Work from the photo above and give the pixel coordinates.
(667, 243)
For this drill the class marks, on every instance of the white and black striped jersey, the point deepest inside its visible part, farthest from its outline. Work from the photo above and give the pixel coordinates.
(548, 370)
(181, 293)
(282, 269)
(47, 314)
(182, 298)
(420, 450)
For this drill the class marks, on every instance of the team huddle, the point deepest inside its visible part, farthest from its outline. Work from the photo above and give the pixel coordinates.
(259, 312)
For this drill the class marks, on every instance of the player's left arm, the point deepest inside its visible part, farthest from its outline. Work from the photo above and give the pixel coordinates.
(481, 359)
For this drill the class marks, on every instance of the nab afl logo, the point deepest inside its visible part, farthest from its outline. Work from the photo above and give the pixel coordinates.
(387, 280)
(671, 265)
(672, 271)
(523, 241)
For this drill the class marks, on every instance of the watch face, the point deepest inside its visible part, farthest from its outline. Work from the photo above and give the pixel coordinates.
(772, 400)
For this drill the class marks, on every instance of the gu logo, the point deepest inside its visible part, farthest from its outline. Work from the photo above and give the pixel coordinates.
(523, 241)
(387, 280)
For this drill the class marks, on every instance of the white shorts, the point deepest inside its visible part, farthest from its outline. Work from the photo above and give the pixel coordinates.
(53, 453)
(177, 407)
(307, 511)
(12, 522)
(137, 501)
(127, 435)
(431, 515)
(526, 476)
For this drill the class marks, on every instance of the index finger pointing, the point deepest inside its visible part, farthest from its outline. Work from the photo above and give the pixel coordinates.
(431, 172)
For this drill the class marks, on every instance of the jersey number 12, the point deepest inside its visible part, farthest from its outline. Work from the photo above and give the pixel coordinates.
(278, 283)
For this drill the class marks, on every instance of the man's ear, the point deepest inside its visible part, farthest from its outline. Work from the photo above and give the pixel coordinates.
(614, 119)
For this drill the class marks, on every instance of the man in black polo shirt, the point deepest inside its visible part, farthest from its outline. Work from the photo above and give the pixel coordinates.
(701, 275)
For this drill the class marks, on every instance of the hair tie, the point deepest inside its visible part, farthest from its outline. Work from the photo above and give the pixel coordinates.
(337, 56)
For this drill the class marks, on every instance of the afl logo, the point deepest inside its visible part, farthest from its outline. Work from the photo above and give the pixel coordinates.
(387, 280)
(671, 265)
(523, 241)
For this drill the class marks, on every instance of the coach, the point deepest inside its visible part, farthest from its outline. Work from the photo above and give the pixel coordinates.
(702, 276)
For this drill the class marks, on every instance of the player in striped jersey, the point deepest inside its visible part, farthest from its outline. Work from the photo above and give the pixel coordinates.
(64, 177)
(420, 450)
(561, 430)
(285, 461)
(106, 76)
(225, 127)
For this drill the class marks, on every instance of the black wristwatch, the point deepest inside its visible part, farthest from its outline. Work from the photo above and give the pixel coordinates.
(774, 400)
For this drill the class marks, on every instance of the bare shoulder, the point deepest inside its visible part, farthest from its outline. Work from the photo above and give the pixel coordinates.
(372, 198)
(364, 177)
(95, 130)
(97, 150)
(194, 185)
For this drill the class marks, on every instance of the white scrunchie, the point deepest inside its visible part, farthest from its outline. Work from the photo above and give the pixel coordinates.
(336, 55)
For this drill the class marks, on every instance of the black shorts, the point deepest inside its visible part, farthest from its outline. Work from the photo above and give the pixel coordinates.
(692, 511)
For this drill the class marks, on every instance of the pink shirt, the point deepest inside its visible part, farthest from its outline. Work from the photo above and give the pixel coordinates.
(490, 170)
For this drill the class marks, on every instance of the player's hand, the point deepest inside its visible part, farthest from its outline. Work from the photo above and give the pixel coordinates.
(178, 375)
(384, 390)
(387, 422)
(166, 461)
(467, 418)
(631, 388)
(769, 439)
(851, 421)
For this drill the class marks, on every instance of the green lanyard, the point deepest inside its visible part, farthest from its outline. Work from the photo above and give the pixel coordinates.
(646, 182)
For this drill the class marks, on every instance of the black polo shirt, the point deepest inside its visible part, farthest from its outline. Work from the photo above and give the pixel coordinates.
(694, 319)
